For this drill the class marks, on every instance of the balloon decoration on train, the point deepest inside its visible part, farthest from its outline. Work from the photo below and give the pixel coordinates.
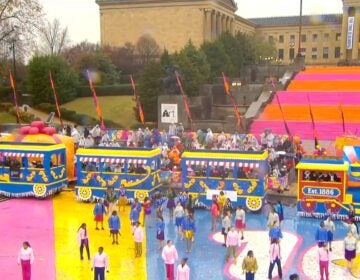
(37, 127)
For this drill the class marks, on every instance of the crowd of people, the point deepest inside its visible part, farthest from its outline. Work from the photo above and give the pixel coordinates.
(284, 151)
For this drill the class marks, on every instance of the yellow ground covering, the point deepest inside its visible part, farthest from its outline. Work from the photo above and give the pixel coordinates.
(69, 214)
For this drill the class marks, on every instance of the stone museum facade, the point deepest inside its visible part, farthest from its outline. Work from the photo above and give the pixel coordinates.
(325, 39)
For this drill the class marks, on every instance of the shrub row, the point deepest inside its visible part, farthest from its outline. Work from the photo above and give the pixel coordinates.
(108, 90)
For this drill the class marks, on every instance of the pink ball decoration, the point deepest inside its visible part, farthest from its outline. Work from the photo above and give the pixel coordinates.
(48, 130)
(39, 124)
(24, 130)
(33, 130)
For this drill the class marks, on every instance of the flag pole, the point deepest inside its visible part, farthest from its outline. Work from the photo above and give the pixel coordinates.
(55, 98)
(185, 100)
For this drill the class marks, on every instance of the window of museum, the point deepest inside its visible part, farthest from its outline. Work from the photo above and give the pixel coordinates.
(281, 39)
(292, 38)
(303, 38)
(281, 54)
(314, 38)
(291, 53)
(303, 52)
(337, 52)
(271, 39)
(338, 36)
(325, 53)
(314, 53)
(326, 37)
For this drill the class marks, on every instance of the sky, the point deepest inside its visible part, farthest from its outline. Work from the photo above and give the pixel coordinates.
(82, 16)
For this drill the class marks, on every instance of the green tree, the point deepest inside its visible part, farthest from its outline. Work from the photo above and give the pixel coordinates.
(149, 86)
(218, 59)
(38, 84)
(99, 63)
(235, 52)
(193, 68)
(262, 47)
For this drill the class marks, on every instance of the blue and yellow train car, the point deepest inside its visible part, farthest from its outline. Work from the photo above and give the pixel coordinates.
(323, 187)
(241, 175)
(100, 168)
(32, 169)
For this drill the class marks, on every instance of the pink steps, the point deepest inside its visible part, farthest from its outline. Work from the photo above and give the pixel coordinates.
(317, 98)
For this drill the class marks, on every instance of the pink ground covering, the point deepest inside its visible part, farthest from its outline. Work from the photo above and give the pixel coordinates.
(31, 220)
(303, 76)
(325, 130)
(317, 98)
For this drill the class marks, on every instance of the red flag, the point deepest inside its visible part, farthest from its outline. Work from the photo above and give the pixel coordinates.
(233, 101)
(282, 115)
(186, 104)
(96, 101)
(12, 83)
(55, 97)
(342, 117)
(226, 84)
(133, 86)
(311, 113)
(138, 103)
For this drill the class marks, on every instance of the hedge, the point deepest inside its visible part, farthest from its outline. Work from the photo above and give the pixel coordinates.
(109, 90)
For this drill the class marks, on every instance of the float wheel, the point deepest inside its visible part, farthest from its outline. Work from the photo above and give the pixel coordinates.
(254, 203)
(39, 190)
(84, 193)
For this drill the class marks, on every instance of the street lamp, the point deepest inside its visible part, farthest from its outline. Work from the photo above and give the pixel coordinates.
(300, 27)
(268, 60)
(12, 47)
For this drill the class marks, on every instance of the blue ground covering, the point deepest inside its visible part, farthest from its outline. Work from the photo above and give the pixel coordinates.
(206, 260)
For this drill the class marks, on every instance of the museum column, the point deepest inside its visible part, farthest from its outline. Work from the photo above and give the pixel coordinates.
(218, 24)
(207, 25)
(355, 49)
(213, 24)
(223, 23)
(228, 24)
(232, 26)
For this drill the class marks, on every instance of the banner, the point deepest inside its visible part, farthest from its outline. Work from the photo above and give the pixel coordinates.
(96, 101)
(350, 33)
(169, 113)
(186, 103)
(233, 101)
(137, 100)
(55, 97)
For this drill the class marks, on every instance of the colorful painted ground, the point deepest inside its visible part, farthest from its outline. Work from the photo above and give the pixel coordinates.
(51, 225)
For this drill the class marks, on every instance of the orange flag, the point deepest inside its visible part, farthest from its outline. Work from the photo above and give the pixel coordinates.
(12, 83)
(226, 84)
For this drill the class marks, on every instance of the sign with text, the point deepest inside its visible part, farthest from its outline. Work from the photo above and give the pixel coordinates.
(350, 33)
(229, 194)
(321, 190)
(169, 113)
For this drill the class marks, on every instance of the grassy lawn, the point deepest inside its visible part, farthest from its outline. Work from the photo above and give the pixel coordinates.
(116, 108)
(7, 118)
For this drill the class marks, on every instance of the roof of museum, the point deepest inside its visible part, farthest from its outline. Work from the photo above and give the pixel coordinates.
(294, 20)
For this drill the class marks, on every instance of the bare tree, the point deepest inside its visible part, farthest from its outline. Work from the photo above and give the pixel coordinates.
(147, 49)
(54, 37)
(19, 20)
